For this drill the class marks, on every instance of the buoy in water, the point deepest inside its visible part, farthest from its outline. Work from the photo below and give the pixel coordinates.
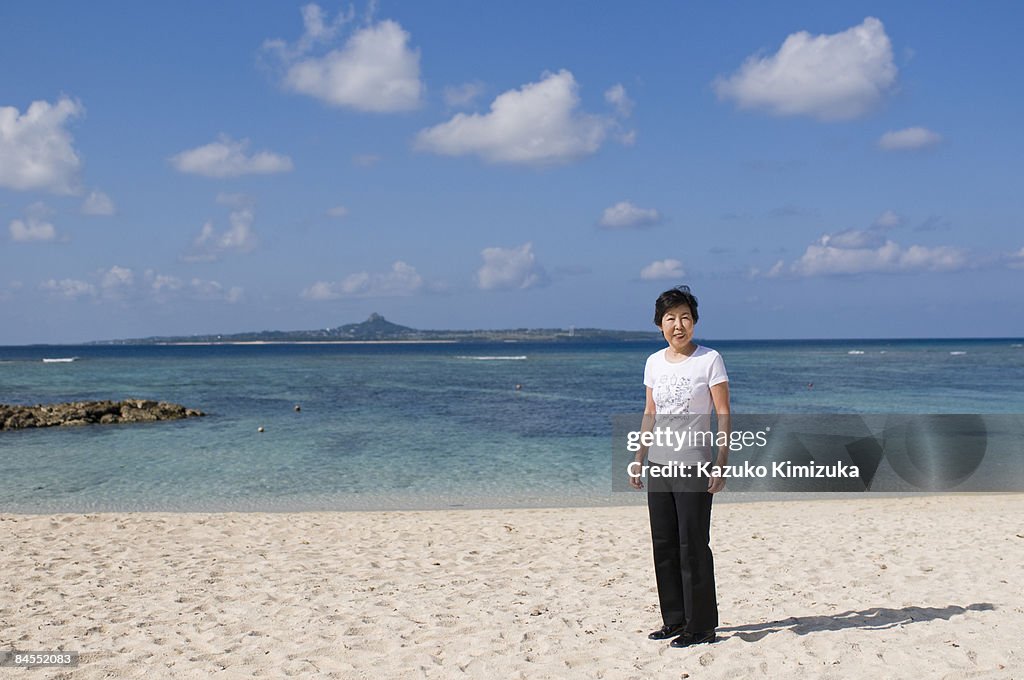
(297, 408)
(259, 429)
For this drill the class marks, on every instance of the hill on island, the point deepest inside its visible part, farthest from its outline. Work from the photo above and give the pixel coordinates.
(374, 328)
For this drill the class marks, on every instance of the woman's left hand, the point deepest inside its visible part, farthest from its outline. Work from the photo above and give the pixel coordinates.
(716, 482)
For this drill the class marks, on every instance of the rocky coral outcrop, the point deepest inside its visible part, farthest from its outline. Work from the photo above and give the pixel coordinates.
(16, 417)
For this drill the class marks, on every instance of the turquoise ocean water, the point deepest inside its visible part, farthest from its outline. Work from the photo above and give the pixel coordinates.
(424, 426)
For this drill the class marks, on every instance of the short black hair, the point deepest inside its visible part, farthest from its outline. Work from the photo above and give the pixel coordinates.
(674, 297)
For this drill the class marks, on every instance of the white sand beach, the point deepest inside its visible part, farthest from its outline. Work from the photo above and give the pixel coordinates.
(920, 587)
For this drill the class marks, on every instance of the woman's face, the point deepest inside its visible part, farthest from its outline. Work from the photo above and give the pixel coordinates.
(677, 327)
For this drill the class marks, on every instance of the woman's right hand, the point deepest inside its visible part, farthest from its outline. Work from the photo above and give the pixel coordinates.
(638, 481)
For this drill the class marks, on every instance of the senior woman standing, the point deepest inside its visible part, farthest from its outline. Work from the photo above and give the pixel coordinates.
(683, 381)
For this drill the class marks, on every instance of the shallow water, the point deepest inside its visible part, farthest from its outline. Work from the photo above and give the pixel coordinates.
(424, 426)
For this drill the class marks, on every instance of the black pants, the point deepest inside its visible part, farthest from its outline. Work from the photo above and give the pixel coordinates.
(680, 510)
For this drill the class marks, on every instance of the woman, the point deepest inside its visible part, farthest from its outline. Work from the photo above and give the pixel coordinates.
(683, 383)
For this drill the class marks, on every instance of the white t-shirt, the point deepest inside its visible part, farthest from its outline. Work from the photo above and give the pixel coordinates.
(683, 389)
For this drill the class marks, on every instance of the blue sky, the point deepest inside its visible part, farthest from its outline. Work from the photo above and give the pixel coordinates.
(811, 170)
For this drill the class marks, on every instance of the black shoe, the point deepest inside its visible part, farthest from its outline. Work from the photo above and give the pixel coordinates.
(689, 639)
(665, 632)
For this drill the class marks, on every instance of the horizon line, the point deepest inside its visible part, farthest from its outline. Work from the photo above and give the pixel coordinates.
(139, 342)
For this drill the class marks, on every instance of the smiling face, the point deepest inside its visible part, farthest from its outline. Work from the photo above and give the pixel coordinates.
(677, 327)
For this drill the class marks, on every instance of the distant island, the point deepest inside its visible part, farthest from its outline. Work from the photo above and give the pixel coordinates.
(378, 329)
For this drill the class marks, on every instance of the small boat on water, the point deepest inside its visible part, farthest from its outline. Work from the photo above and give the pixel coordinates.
(59, 360)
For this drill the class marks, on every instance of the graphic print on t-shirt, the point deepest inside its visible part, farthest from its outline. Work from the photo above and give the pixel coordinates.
(672, 392)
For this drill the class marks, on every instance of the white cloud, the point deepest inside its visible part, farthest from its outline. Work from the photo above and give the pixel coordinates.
(71, 289)
(871, 250)
(214, 290)
(663, 269)
(1017, 259)
(457, 96)
(617, 97)
(202, 244)
(31, 229)
(99, 204)
(855, 238)
(36, 225)
(164, 287)
(316, 29)
(121, 284)
(239, 238)
(401, 279)
(776, 270)
(873, 237)
(227, 158)
(537, 124)
(626, 215)
(338, 211)
(855, 253)
(888, 220)
(117, 283)
(909, 138)
(830, 77)
(375, 70)
(117, 277)
(321, 290)
(36, 149)
(506, 268)
(162, 283)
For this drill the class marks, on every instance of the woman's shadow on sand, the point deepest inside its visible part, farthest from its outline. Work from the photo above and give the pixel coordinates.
(877, 618)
